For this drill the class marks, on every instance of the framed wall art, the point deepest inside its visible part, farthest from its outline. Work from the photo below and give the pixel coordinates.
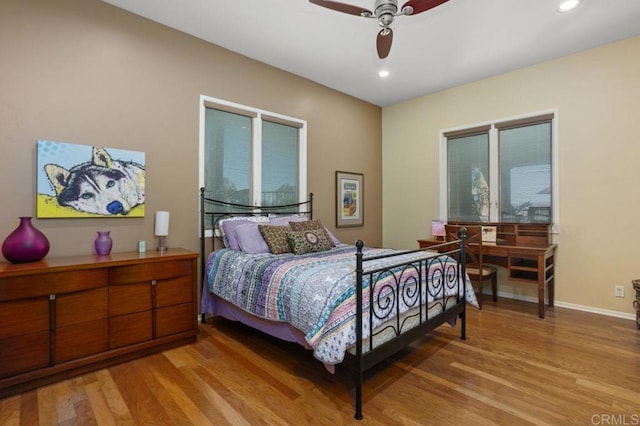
(89, 181)
(349, 199)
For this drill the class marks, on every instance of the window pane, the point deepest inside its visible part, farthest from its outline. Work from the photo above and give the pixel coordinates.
(468, 162)
(228, 156)
(279, 164)
(525, 174)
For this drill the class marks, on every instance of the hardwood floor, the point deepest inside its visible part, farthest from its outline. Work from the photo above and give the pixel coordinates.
(514, 368)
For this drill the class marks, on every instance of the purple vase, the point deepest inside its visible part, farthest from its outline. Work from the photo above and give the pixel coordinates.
(103, 243)
(25, 243)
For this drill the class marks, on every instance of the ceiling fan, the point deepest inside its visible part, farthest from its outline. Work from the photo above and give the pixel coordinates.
(385, 12)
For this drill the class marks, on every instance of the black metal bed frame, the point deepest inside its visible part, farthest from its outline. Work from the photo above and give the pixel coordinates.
(408, 285)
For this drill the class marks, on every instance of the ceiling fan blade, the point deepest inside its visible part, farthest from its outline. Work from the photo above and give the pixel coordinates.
(383, 42)
(420, 6)
(342, 7)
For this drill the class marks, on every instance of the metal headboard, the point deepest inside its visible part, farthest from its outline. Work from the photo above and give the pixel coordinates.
(211, 211)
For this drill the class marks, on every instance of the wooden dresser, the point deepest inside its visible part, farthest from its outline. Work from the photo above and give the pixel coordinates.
(65, 316)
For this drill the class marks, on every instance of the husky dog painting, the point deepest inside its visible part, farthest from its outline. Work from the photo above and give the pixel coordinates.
(110, 183)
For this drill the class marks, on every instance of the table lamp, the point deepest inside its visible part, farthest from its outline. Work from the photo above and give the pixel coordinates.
(438, 231)
(162, 229)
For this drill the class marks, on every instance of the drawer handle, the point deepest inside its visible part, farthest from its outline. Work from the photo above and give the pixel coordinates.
(52, 297)
(153, 282)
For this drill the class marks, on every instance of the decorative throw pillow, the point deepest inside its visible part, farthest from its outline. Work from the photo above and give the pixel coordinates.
(311, 225)
(276, 238)
(311, 241)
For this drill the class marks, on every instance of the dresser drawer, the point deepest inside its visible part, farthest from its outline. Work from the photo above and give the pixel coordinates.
(174, 319)
(52, 283)
(79, 307)
(28, 352)
(146, 272)
(130, 329)
(174, 291)
(129, 298)
(81, 340)
(24, 317)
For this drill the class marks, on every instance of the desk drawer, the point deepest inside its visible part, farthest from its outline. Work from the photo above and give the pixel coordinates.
(494, 250)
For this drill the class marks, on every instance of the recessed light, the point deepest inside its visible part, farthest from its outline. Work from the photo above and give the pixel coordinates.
(568, 5)
(383, 73)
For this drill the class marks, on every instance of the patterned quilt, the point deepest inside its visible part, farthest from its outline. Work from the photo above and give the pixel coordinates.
(314, 292)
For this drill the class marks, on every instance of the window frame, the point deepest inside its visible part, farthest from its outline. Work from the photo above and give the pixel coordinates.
(257, 117)
(493, 127)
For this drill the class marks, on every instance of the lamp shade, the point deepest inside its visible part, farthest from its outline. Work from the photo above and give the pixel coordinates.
(438, 229)
(162, 223)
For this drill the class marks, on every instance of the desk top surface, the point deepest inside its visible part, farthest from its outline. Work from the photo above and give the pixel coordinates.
(497, 244)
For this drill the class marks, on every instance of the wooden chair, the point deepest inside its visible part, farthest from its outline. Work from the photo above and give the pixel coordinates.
(478, 272)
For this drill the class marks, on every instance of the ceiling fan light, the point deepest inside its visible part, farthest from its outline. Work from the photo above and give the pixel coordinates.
(386, 19)
(568, 5)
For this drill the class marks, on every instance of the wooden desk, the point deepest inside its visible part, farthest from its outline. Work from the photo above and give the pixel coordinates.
(528, 264)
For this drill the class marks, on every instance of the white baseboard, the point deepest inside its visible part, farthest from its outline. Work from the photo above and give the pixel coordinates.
(591, 309)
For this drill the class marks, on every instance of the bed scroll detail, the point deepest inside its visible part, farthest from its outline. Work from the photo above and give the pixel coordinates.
(426, 306)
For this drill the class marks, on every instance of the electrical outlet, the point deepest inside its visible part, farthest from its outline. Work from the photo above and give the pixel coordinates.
(619, 291)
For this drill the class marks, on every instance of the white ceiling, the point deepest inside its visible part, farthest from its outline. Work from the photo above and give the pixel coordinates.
(455, 43)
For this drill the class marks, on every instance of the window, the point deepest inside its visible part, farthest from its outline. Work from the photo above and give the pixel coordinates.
(503, 171)
(250, 156)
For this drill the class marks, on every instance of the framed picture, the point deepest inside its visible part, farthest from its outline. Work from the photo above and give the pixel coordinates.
(349, 200)
(489, 234)
(89, 181)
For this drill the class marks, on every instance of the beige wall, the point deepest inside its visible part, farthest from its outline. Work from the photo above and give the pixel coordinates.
(85, 72)
(597, 95)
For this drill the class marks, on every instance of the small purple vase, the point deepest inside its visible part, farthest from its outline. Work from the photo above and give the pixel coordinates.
(25, 244)
(103, 243)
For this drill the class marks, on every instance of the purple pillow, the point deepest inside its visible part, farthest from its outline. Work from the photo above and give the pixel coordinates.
(228, 229)
(229, 224)
(250, 239)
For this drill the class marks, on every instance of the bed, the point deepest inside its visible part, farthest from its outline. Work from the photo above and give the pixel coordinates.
(323, 294)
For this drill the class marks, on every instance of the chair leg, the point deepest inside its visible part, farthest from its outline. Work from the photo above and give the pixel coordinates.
(494, 287)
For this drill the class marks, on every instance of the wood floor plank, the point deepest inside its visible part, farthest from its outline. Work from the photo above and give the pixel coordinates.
(29, 412)
(514, 368)
(140, 400)
(10, 411)
(99, 406)
(104, 388)
(47, 405)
